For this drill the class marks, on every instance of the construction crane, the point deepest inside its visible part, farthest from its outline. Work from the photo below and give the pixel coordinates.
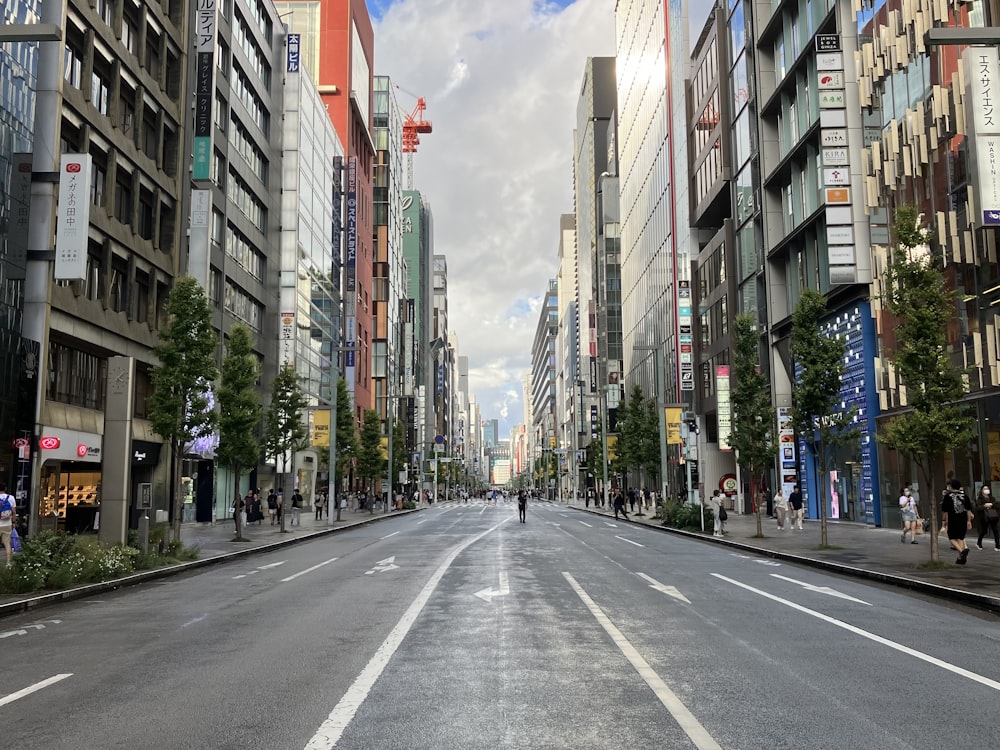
(413, 126)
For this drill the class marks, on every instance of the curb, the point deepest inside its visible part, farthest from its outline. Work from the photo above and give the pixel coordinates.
(980, 601)
(79, 592)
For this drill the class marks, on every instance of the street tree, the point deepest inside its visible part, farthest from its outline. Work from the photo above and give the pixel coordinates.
(399, 452)
(631, 448)
(816, 415)
(370, 457)
(285, 430)
(922, 306)
(347, 442)
(753, 417)
(239, 411)
(180, 409)
(594, 457)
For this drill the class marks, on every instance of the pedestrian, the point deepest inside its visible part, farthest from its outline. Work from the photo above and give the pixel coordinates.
(956, 512)
(796, 507)
(238, 506)
(619, 505)
(522, 505)
(280, 503)
(8, 520)
(296, 508)
(632, 499)
(780, 508)
(272, 505)
(988, 518)
(911, 517)
(715, 502)
(319, 504)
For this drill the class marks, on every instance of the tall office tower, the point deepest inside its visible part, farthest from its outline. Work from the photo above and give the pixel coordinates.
(543, 374)
(442, 354)
(594, 138)
(929, 143)
(310, 272)
(418, 252)
(474, 451)
(389, 271)
(338, 49)
(491, 432)
(117, 115)
(568, 383)
(18, 356)
(235, 206)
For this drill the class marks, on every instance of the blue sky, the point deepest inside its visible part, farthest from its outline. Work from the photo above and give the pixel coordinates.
(377, 8)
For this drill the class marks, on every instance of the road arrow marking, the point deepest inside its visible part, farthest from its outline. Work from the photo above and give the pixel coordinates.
(612, 525)
(771, 563)
(552, 523)
(26, 628)
(487, 594)
(821, 589)
(630, 541)
(586, 524)
(663, 588)
(383, 566)
(33, 688)
(271, 565)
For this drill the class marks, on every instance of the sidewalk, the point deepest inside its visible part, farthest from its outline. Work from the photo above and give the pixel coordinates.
(861, 551)
(215, 544)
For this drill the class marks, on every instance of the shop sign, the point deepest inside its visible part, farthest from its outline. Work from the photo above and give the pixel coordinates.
(49, 443)
(835, 157)
(70, 445)
(828, 43)
(830, 61)
(830, 79)
(833, 136)
(836, 176)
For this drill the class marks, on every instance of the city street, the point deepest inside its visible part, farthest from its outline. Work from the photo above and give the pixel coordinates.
(459, 627)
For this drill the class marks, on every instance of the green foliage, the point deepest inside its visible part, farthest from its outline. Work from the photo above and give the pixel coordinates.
(347, 437)
(56, 560)
(370, 460)
(638, 440)
(239, 403)
(680, 516)
(179, 407)
(753, 417)
(816, 413)
(916, 295)
(399, 452)
(285, 431)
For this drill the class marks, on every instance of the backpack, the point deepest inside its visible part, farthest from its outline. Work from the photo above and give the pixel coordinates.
(722, 513)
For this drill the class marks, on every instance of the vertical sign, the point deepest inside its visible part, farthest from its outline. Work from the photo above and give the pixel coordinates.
(73, 217)
(685, 343)
(200, 241)
(982, 96)
(786, 449)
(724, 406)
(286, 338)
(294, 47)
(351, 269)
(20, 204)
(204, 88)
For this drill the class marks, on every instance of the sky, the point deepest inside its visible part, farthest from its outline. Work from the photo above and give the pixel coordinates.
(501, 79)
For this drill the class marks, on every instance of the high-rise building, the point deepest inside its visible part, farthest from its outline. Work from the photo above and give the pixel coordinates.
(418, 252)
(543, 373)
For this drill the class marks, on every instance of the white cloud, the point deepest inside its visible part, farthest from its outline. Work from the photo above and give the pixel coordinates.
(501, 79)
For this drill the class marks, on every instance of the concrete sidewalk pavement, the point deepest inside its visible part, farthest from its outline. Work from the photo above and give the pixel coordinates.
(858, 550)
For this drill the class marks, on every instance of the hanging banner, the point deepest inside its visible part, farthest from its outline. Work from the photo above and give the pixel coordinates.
(204, 88)
(724, 406)
(73, 216)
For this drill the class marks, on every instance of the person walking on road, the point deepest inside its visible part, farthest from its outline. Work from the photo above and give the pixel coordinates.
(795, 504)
(522, 505)
(780, 508)
(956, 511)
(911, 518)
(319, 503)
(619, 505)
(296, 508)
(715, 502)
(989, 517)
(272, 505)
(8, 518)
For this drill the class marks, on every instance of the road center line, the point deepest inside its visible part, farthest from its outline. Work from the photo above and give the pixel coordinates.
(870, 636)
(691, 726)
(308, 570)
(343, 713)
(630, 541)
(389, 535)
(586, 524)
(33, 688)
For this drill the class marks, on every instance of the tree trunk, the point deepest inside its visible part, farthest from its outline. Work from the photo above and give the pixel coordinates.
(753, 494)
(176, 505)
(928, 482)
(283, 508)
(236, 505)
(822, 495)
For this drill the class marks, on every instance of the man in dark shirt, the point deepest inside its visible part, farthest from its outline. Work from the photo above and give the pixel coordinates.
(522, 505)
(956, 515)
(795, 504)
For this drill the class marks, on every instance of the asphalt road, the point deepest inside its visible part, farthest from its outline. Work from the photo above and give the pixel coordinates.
(459, 627)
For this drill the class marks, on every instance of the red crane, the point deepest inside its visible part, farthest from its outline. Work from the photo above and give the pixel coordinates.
(413, 126)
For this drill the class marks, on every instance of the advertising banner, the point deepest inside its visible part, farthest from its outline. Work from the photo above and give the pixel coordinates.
(204, 88)
(73, 216)
(724, 406)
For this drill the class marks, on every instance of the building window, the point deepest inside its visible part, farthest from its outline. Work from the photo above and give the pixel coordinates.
(97, 179)
(75, 377)
(99, 93)
(73, 67)
(145, 218)
(123, 198)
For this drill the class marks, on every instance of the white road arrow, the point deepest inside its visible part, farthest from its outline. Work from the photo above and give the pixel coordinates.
(382, 566)
(487, 594)
(271, 565)
(24, 630)
(821, 589)
(663, 588)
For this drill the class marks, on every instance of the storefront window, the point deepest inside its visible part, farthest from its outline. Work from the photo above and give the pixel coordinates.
(70, 497)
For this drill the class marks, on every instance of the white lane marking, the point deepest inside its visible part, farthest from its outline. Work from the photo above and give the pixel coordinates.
(612, 525)
(389, 535)
(870, 636)
(383, 566)
(195, 620)
(242, 575)
(586, 524)
(483, 510)
(664, 588)
(343, 713)
(630, 541)
(487, 594)
(308, 570)
(421, 521)
(821, 589)
(24, 630)
(691, 726)
(771, 563)
(271, 565)
(33, 688)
